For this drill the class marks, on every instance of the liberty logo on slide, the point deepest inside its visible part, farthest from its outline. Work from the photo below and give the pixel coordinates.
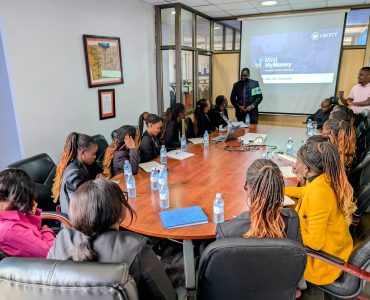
(258, 63)
(317, 35)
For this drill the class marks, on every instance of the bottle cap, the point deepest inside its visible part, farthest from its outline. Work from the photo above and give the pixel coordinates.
(218, 195)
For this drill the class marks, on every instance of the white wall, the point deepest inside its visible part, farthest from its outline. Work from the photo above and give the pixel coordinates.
(43, 40)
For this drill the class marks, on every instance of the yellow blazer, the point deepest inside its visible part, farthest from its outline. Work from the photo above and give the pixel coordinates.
(323, 227)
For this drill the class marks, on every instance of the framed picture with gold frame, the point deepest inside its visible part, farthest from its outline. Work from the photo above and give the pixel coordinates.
(103, 60)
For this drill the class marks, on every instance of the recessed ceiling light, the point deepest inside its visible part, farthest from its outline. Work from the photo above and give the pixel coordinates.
(269, 3)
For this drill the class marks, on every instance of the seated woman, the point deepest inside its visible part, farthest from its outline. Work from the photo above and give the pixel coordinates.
(218, 114)
(96, 210)
(342, 135)
(150, 144)
(202, 122)
(172, 126)
(325, 207)
(21, 233)
(123, 147)
(79, 153)
(265, 197)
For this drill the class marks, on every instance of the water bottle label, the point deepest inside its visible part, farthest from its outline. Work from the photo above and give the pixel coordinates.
(154, 179)
(163, 196)
(130, 186)
(218, 210)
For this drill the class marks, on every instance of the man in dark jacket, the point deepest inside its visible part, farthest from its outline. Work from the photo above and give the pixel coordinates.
(245, 97)
(322, 115)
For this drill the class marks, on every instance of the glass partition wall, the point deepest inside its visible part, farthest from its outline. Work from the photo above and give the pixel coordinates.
(185, 42)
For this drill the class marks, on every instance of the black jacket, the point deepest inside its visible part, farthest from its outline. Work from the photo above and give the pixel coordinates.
(119, 157)
(217, 117)
(150, 147)
(74, 175)
(320, 117)
(122, 247)
(203, 123)
(253, 94)
(240, 225)
(171, 138)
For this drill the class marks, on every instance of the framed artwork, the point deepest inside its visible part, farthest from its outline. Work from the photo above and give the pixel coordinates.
(103, 60)
(107, 104)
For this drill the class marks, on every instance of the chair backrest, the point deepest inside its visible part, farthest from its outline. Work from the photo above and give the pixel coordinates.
(39, 279)
(189, 128)
(363, 192)
(41, 168)
(102, 146)
(250, 268)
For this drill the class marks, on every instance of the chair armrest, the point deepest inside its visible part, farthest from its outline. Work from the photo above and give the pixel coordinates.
(339, 263)
(53, 215)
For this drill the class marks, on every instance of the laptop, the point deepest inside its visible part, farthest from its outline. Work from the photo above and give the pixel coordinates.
(230, 135)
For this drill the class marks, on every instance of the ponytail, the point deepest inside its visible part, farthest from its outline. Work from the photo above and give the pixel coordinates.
(266, 184)
(142, 118)
(108, 157)
(74, 142)
(84, 251)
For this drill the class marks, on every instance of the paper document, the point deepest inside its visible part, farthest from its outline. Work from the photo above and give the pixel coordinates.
(196, 141)
(287, 172)
(147, 167)
(288, 157)
(253, 138)
(288, 201)
(240, 124)
(179, 154)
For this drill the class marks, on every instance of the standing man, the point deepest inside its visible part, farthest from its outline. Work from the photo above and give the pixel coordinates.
(245, 97)
(359, 97)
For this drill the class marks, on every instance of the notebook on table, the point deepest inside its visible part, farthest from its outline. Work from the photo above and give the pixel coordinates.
(183, 217)
(230, 135)
(179, 154)
(147, 167)
(196, 141)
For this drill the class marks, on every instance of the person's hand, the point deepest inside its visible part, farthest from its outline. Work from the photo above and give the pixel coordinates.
(249, 108)
(33, 210)
(341, 94)
(129, 142)
(350, 102)
(44, 227)
(100, 176)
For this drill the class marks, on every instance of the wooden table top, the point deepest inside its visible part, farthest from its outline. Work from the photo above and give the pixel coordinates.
(196, 180)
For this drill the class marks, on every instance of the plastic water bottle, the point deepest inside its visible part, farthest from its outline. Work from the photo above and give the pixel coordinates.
(206, 139)
(164, 197)
(289, 147)
(154, 180)
(163, 154)
(310, 128)
(183, 143)
(131, 186)
(127, 170)
(218, 209)
(247, 120)
(162, 176)
(308, 125)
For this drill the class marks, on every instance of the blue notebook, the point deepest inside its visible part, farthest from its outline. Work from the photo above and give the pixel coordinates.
(183, 217)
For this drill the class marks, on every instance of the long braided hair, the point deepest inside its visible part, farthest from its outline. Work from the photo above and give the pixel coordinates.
(266, 184)
(172, 114)
(95, 207)
(74, 142)
(343, 135)
(323, 158)
(198, 112)
(117, 143)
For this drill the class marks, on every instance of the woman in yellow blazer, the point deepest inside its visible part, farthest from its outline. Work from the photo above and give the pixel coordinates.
(325, 207)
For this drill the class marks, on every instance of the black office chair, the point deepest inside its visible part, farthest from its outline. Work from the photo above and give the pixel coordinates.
(362, 192)
(97, 167)
(250, 268)
(356, 270)
(189, 128)
(41, 169)
(44, 279)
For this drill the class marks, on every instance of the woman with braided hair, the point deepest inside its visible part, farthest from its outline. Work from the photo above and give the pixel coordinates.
(96, 210)
(123, 147)
(342, 134)
(325, 207)
(78, 153)
(171, 128)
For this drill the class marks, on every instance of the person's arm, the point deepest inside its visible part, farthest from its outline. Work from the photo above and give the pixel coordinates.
(361, 103)
(316, 218)
(347, 101)
(233, 96)
(171, 140)
(154, 282)
(295, 192)
(257, 95)
(134, 159)
(74, 180)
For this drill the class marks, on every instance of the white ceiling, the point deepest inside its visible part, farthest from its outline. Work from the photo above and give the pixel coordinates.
(227, 8)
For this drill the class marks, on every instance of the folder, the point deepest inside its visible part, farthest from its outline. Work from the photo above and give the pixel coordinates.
(183, 217)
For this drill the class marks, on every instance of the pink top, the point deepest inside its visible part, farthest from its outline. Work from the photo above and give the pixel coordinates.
(359, 93)
(20, 234)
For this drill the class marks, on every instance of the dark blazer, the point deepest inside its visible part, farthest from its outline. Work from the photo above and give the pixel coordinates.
(122, 247)
(320, 117)
(150, 147)
(204, 123)
(237, 94)
(119, 157)
(171, 138)
(217, 117)
(240, 225)
(74, 175)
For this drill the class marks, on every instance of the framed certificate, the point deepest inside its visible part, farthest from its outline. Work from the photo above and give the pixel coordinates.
(107, 104)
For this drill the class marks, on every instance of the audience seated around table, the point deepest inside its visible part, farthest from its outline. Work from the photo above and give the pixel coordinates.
(96, 210)
(124, 147)
(342, 135)
(172, 126)
(21, 233)
(322, 114)
(325, 207)
(218, 114)
(78, 153)
(150, 145)
(202, 122)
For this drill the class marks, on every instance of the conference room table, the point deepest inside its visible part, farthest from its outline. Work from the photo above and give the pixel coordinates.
(220, 168)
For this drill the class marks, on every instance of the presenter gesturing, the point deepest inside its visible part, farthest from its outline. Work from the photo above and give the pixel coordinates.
(245, 97)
